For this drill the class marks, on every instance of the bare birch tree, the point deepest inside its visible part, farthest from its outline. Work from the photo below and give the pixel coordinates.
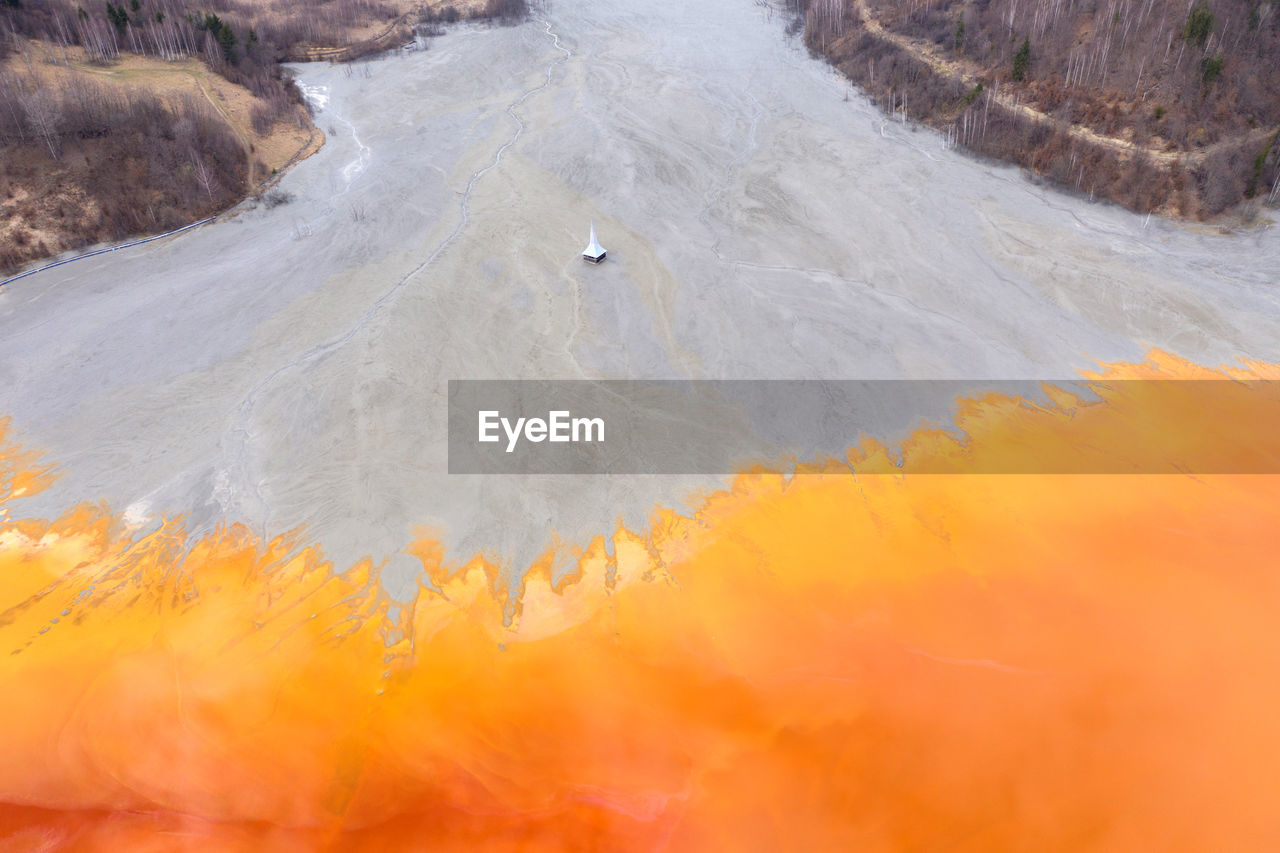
(44, 114)
(204, 175)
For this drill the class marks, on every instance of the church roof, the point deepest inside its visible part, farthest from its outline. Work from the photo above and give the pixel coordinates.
(594, 249)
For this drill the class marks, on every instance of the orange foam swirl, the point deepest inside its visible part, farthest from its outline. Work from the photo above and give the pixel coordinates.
(819, 662)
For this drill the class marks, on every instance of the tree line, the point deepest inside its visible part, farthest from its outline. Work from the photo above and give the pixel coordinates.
(1200, 78)
(146, 164)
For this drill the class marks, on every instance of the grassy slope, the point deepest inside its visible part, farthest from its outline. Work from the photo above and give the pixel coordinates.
(134, 164)
(113, 184)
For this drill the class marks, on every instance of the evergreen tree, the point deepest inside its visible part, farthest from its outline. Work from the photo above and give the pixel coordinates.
(227, 41)
(1022, 60)
(118, 16)
(1199, 24)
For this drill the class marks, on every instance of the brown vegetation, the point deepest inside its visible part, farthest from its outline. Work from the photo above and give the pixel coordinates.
(92, 162)
(95, 152)
(84, 159)
(1155, 104)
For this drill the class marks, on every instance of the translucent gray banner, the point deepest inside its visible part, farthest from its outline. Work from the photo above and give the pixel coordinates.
(724, 426)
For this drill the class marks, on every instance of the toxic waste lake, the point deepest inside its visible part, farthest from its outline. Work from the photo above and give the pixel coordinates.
(288, 366)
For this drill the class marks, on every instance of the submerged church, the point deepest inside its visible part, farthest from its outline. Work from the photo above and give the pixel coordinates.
(594, 253)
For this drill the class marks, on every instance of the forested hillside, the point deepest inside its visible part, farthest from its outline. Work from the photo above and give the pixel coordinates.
(137, 116)
(1161, 105)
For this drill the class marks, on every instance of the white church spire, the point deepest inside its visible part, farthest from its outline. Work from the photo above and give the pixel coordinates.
(594, 252)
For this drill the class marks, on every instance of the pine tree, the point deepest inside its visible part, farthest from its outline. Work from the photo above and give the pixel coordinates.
(118, 16)
(1199, 24)
(1022, 60)
(227, 41)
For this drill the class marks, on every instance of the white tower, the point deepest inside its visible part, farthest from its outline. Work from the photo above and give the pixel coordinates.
(594, 253)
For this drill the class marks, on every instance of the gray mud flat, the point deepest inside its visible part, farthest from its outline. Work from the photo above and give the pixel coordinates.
(289, 366)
